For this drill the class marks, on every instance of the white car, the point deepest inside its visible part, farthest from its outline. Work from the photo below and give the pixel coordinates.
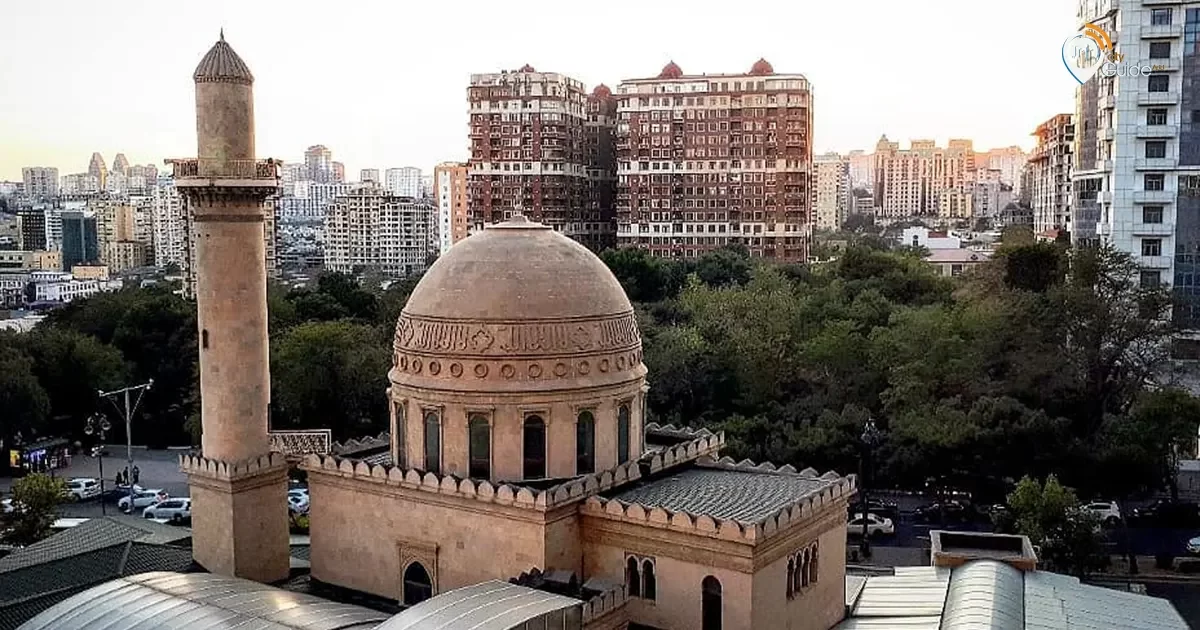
(174, 510)
(298, 501)
(875, 525)
(142, 498)
(1107, 511)
(6, 506)
(1193, 546)
(81, 488)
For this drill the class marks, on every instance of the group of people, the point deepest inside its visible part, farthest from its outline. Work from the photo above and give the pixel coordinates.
(123, 478)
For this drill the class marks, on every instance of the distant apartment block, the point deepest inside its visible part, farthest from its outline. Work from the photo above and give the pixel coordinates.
(708, 160)
(369, 176)
(307, 201)
(831, 191)
(371, 230)
(862, 169)
(80, 242)
(170, 235)
(450, 194)
(404, 182)
(40, 182)
(924, 180)
(1049, 174)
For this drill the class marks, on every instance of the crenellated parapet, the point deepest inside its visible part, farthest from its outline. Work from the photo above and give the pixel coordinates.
(357, 445)
(707, 444)
(832, 489)
(670, 430)
(606, 603)
(231, 471)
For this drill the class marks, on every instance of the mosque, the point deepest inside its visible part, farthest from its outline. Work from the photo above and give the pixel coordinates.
(522, 486)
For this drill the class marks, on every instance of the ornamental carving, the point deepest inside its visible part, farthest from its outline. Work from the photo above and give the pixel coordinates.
(517, 339)
(521, 370)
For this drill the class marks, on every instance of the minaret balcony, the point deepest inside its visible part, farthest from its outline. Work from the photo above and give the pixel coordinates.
(217, 172)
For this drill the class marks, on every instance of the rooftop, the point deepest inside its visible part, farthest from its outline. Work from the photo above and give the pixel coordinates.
(736, 495)
(222, 65)
(957, 256)
(490, 605)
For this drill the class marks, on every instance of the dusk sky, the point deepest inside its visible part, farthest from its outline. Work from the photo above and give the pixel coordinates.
(383, 84)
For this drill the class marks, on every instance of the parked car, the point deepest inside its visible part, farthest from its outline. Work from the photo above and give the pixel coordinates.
(175, 510)
(1167, 513)
(1193, 546)
(82, 488)
(1108, 512)
(955, 511)
(142, 498)
(6, 505)
(875, 525)
(298, 501)
(886, 509)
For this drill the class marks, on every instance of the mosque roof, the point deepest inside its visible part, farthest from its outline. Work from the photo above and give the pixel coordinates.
(222, 65)
(492, 605)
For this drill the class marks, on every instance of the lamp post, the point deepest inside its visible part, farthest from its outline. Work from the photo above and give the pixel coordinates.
(128, 412)
(98, 425)
(869, 439)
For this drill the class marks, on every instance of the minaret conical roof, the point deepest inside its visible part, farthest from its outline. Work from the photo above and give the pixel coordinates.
(222, 65)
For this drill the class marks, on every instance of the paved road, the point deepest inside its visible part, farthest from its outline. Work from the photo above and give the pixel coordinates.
(157, 469)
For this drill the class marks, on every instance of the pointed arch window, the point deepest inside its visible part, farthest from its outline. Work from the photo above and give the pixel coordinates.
(649, 582)
(585, 443)
(623, 433)
(534, 447)
(804, 569)
(791, 576)
(399, 427)
(418, 587)
(480, 447)
(812, 565)
(433, 442)
(710, 604)
(633, 579)
(796, 580)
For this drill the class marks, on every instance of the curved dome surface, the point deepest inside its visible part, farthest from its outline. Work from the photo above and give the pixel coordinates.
(517, 303)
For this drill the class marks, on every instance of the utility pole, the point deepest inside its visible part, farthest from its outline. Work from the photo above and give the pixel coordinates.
(128, 412)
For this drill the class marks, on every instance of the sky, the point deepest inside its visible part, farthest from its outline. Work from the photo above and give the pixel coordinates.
(383, 83)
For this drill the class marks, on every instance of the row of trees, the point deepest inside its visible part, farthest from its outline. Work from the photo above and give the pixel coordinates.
(1045, 361)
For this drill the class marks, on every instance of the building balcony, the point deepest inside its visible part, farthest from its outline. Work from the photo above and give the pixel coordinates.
(1164, 65)
(1160, 2)
(1154, 262)
(1154, 164)
(1104, 196)
(1105, 133)
(1153, 229)
(1159, 31)
(1158, 98)
(1108, 101)
(1157, 131)
(1154, 196)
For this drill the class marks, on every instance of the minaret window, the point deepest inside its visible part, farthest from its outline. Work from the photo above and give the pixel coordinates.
(535, 447)
(623, 433)
(585, 443)
(710, 604)
(417, 585)
(791, 576)
(480, 447)
(812, 565)
(433, 442)
(399, 428)
(204, 339)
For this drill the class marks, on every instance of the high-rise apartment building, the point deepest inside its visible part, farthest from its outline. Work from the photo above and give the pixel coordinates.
(80, 243)
(170, 224)
(79, 184)
(830, 191)
(596, 225)
(41, 182)
(1135, 182)
(404, 182)
(31, 224)
(862, 169)
(369, 176)
(97, 169)
(370, 229)
(339, 172)
(120, 165)
(709, 160)
(1048, 174)
(318, 162)
(123, 230)
(925, 179)
(450, 194)
(990, 193)
(306, 201)
(529, 151)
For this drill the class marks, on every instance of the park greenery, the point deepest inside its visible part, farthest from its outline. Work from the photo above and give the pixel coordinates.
(34, 502)
(1067, 535)
(1045, 361)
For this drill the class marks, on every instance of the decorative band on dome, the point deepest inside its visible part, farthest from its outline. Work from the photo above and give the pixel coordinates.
(518, 222)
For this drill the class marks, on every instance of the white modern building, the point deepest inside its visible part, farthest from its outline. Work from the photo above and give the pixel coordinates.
(917, 236)
(1136, 179)
(53, 286)
(41, 182)
(170, 224)
(404, 182)
(370, 229)
(830, 191)
(305, 200)
(1049, 174)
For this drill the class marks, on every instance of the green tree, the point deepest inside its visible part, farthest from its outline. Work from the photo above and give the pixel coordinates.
(1049, 514)
(330, 375)
(35, 499)
(644, 277)
(725, 266)
(71, 367)
(1033, 267)
(24, 402)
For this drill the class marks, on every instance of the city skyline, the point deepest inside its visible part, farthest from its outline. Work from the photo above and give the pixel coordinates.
(395, 101)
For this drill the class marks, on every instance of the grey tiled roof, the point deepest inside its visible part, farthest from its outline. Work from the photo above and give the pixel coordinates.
(746, 496)
(93, 534)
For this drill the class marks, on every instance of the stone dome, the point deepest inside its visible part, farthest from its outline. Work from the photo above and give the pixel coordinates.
(671, 71)
(517, 307)
(761, 67)
(222, 65)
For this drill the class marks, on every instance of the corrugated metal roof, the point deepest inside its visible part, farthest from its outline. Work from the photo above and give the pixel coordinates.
(985, 595)
(199, 601)
(854, 587)
(490, 605)
(886, 623)
(913, 595)
(1056, 602)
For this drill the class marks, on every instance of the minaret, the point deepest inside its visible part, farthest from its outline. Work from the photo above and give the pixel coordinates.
(238, 487)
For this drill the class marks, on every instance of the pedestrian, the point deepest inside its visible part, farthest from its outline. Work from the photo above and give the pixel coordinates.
(136, 474)
(119, 482)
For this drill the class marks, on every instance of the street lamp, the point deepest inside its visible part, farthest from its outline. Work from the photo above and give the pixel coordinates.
(127, 412)
(870, 438)
(98, 425)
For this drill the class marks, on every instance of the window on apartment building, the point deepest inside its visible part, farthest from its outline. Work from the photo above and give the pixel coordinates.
(1156, 148)
(1152, 214)
(1160, 17)
(1160, 50)
(1156, 116)
(1154, 181)
(1152, 247)
(1159, 82)
(1150, 278)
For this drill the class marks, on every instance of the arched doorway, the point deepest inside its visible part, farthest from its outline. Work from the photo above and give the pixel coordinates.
(418, 587)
